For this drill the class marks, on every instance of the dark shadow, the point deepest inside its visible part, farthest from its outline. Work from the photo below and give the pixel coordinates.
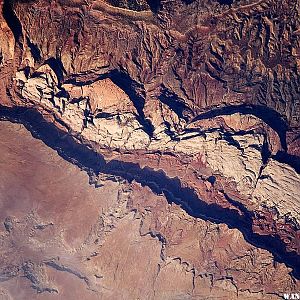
(154, 5)
(268, 115)
(289, 159)
(35, 51)
(225, 2)
(58, 68)
(12, 20)
(130, 87)
(175, 104)
(188, 1)
(90, 161)
(136, 5)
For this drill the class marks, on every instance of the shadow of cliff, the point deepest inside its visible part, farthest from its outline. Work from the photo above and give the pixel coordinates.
(130, 87)
(268, 115)
(12, 20)
(87, 159)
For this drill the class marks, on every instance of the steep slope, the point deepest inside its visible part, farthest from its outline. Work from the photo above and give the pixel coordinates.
(193, 104)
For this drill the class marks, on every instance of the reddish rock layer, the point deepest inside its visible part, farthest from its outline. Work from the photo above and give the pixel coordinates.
(197, 100)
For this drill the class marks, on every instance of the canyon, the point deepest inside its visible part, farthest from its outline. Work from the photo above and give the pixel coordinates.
(149, 149)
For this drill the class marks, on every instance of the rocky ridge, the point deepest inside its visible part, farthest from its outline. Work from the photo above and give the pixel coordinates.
(216, 112)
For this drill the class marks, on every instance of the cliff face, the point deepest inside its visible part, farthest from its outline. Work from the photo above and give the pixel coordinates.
(185, 117)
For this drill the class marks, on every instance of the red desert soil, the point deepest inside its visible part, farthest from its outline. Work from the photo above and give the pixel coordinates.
(149, 149)
(62, 237)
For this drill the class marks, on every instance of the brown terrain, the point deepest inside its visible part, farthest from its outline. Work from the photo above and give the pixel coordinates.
(149, 149)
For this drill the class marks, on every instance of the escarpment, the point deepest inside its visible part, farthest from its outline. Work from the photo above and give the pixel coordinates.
(178, 121)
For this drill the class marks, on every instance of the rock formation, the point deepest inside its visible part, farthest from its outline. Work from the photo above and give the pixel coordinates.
(163, 159)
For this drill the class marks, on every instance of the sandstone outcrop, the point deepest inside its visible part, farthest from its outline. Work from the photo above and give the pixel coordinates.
(183, 117)
(124, 234)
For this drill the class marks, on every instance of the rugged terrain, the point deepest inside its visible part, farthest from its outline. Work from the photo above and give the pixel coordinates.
(150, 149)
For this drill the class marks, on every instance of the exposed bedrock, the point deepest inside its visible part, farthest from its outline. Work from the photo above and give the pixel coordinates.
(204, 244)
(196, 102)
(201, 195)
